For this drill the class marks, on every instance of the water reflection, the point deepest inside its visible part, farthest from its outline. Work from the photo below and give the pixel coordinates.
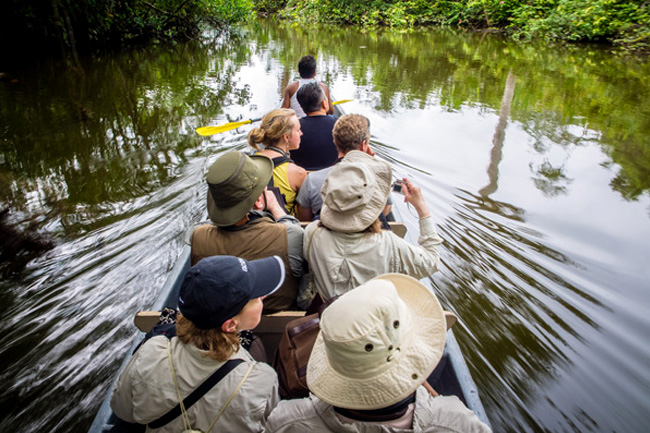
(499, 136)
(523, 152)
(514, 309)
(571, 85)
(80, 147)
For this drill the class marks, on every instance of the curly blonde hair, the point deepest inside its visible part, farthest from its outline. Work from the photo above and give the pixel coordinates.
(275, 124)
(219, 345)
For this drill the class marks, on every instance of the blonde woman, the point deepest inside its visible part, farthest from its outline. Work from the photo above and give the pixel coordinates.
(280, 133)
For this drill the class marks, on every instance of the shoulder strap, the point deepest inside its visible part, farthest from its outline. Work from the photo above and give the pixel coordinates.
(196, 395)
(279, 160)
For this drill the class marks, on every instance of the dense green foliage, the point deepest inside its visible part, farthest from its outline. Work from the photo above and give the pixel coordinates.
(625, 22)
(69, 27)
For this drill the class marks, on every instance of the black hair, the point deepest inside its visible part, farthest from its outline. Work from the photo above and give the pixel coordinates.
(307, 66)
(310, 97)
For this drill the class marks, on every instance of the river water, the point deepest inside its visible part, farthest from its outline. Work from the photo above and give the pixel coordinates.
(535, 160)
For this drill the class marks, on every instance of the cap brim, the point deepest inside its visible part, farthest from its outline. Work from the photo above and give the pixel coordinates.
(268, 275)
(227, 216)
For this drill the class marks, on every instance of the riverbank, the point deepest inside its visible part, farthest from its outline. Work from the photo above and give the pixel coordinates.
(72, 30)
(624, 24)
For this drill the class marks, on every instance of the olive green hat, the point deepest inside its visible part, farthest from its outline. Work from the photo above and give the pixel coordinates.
(235, 181)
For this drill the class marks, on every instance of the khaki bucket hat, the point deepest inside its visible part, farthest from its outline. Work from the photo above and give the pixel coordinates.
(235, 181)
(377, 344)
(355, 192)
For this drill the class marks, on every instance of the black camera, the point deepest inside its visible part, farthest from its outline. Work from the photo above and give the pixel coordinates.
(397, 186)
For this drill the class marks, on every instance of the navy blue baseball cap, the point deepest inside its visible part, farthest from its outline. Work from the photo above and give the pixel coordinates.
(218, 287)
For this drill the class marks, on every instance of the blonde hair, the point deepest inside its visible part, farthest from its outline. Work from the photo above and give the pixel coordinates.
(374, 227)
(219, 345)
(275, 124)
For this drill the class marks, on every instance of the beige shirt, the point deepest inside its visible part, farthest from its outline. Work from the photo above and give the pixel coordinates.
(431, 415)
(339, 262)
(145, 390)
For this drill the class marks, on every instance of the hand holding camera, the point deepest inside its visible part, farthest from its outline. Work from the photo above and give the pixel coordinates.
(412, 194)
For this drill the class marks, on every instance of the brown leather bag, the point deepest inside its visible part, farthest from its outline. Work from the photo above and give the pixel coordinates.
(293, 354)
(294, 350)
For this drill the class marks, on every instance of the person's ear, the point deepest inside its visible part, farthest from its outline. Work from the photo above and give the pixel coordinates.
(365, 147)
(229, 325)
(260, 202)
(324, 104)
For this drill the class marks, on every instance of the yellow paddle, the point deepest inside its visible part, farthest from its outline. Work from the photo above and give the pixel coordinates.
(211, 130)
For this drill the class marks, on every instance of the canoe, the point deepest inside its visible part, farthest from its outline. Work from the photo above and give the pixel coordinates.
(452, 377)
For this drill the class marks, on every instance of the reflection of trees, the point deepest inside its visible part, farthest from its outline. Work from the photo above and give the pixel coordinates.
(78, 146)
(550, 180)
(517, 312)
(499, 136)
(570, 86)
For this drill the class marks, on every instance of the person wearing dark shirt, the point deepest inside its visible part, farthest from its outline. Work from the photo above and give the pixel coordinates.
(317, 149)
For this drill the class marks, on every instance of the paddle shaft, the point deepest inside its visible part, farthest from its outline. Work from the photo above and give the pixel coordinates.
(211, 130)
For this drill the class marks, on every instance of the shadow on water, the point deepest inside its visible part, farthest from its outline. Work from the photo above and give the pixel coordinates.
(502, 138)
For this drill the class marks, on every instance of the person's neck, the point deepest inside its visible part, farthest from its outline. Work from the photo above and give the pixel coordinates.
(278, 149)
(320, 112)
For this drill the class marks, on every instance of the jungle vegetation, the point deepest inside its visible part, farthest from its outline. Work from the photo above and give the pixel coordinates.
(625, 23)
(71, 28)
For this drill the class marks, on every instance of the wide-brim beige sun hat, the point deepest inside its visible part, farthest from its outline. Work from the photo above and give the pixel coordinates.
(355, 192)
(235, 182)
(377, 344)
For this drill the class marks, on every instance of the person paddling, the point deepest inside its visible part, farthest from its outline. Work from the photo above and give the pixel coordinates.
(307, 70)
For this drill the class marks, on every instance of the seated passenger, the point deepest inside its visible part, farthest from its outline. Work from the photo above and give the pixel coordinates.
(219, 297)
(317, 149)
(307, 71)
(351, 132)
(249, 222)
(377, 345)
(280, 133)
(346, 247)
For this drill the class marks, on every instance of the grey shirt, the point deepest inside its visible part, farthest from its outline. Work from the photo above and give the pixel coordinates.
(309, 195)
(295, 237)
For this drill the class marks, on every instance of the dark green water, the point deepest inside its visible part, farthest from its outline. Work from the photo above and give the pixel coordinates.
(535, 160)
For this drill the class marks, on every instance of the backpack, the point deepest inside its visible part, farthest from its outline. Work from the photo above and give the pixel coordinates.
(293, 352)
(282, 200)
(292, 355)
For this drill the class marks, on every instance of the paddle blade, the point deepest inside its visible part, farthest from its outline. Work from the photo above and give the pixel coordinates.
(342, 101)
(211, 130)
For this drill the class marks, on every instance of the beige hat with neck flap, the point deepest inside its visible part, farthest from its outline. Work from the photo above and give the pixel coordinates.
(355, 192)
(377, 344)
